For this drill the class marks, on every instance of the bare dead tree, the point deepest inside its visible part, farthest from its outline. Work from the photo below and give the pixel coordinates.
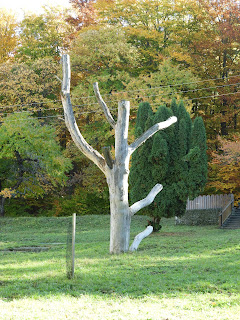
(116, 170)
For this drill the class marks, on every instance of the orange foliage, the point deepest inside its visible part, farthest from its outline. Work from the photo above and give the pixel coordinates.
(224, 169)
(85, 14)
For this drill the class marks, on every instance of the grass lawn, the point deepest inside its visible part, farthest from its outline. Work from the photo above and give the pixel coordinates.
(179, 273)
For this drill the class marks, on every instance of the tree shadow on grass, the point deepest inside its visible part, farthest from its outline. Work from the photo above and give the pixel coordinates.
(134, 275)
(182, 260)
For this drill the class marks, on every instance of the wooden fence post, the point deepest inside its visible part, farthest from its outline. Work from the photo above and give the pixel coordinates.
(70, 257)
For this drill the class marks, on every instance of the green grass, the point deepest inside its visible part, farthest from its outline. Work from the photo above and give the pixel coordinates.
(179, 273)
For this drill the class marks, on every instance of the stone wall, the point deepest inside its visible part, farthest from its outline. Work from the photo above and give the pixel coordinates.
(199, 217)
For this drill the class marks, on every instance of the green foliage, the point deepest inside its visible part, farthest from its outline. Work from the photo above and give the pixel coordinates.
(102, 55)
(16, 208)
(34, 85)
(28, 207)
(198, 157)
(174, 157)
(43, 35)
(102, 50)
(33, 160)
(82, 203)
(140, 158)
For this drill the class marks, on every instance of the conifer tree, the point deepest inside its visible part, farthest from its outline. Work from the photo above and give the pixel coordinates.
(176, 157)
(198, 158)
(140, 157)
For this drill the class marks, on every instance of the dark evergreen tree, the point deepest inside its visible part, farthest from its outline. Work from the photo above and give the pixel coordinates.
(140, 157)
(197, 158)
(175, 157)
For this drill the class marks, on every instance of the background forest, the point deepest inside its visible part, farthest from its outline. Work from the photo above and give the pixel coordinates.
(139, 50)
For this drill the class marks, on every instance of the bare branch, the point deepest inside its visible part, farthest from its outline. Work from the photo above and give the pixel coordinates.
(140, 237)
(70, 121)
(103, 105)
(58, 79)
(146, 201)
(150, 132)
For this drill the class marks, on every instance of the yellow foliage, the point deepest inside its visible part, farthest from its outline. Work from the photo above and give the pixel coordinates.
(7, 193)
(181, 57)
(8, 36)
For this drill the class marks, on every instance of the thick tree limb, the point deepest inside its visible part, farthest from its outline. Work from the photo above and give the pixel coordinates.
(146, 201)
(150, 132)
(103, 105)
(140, 237)
(70, 121)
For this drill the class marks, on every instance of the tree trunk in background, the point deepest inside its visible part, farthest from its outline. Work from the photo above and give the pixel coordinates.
(2, 202)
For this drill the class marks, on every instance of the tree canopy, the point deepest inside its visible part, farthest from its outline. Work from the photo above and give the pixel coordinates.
(31, 159)
(8, 35)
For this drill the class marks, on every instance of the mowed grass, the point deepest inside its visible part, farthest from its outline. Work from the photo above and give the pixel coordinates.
(181, 272)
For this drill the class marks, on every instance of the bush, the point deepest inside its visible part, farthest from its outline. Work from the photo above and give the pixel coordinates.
(82, 203)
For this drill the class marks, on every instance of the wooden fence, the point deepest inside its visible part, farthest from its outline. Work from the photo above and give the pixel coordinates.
(218, 201)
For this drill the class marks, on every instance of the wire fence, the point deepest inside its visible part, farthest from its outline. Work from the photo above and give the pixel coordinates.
(156, 96)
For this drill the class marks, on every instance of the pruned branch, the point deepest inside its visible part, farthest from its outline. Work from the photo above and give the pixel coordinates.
(140, 237)
(103, 105)
(70, 121)
(146, 201)
(108, 156)
(150, 132)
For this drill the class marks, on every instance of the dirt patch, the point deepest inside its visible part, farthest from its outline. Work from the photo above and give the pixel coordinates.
(27, 249)
(173, 234)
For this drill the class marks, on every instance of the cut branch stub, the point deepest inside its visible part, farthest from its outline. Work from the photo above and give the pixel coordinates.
(140, 237)
(108, 156)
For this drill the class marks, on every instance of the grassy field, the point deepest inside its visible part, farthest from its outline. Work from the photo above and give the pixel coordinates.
(179, 273)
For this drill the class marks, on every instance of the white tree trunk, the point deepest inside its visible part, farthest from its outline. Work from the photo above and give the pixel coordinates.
(118, 184)
(116, 171)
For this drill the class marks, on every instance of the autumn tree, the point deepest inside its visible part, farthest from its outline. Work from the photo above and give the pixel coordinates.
(104, 53)
(43, 35)
(191, 32)
(8, 35)
(224, 168)
(85, 14)
(202, 36)
(158, 29)
(31, 86)
(214, 51)
(31, 160)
